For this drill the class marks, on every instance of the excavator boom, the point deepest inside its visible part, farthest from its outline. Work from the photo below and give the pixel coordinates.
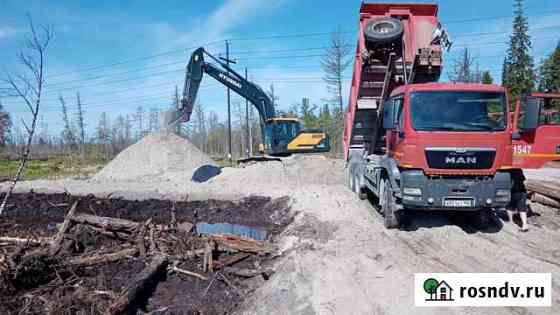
(198, 66)
(280, 136)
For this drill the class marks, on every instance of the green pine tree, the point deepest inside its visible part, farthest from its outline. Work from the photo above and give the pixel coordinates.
(487, 78)
(549, 72)
(505, 70)
(519, 75)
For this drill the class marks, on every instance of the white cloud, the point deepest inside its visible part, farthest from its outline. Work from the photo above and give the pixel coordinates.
(6, 32)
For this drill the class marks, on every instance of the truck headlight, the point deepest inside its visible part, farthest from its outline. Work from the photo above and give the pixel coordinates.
(412, 191)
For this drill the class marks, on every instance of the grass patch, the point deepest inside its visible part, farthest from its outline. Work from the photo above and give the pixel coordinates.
(51, 168)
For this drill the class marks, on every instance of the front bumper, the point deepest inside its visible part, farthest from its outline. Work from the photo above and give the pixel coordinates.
(448, 193)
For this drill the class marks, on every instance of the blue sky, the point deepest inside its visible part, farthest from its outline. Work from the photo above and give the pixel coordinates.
(125, 54)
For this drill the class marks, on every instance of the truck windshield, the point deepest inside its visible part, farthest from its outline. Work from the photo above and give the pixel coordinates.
(458, 111)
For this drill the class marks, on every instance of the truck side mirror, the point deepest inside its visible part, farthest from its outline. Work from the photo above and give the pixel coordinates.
(532, 113)
(388, 116)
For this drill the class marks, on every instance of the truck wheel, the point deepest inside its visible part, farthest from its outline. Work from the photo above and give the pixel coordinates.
(384, 30)
(390, 218)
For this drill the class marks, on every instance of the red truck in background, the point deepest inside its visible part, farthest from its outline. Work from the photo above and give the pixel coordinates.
(536, 147)
(417, 144)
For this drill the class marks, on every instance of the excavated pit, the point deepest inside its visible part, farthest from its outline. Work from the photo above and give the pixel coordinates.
(92, 289)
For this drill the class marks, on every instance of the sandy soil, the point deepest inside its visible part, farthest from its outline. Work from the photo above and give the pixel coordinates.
(337, 258)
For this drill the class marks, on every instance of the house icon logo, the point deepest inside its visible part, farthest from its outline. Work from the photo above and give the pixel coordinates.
(438, 290)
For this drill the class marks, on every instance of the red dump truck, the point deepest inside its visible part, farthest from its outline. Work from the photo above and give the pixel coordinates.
(416, 144)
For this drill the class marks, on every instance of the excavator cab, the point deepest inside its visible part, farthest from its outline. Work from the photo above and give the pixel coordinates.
(284, 136)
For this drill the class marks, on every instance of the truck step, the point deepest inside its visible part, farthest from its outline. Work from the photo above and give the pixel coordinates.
(368, 103)
(375, 69)
(360, 139)
(373, 84)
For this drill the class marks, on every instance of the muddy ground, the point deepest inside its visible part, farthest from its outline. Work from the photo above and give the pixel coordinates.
(90, 290)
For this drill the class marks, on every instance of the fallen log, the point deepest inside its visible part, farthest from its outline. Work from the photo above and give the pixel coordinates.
(57, 243)
(142, 282)
(230, 260)
(240, 244)
(106, 223)
(548, 189)
(248, 273)
(174, 268)
(102, 259)
(18, 240)
(536, 197)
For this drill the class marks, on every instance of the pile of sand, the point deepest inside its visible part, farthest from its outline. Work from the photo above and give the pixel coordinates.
(155, 157)
(294, 171)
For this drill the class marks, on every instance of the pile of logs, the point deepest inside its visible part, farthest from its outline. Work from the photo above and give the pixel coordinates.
(163, 249)
(544, 192)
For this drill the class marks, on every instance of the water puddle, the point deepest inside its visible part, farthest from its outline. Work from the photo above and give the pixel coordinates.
(231, 229)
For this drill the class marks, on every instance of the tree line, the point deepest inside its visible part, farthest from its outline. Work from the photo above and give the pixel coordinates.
(519, 74)
(208, 131)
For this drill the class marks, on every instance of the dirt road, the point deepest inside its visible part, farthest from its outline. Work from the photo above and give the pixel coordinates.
(337, 256)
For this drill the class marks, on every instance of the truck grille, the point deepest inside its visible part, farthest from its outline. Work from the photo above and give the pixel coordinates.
(460, 158)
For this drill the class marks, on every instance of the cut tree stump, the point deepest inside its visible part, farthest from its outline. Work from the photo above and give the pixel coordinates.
(144, 279)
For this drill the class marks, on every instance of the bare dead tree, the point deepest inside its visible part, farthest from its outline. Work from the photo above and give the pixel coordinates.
(28, 86)
(273, 96)
(103, 134)
(153, 122)
(176, 105)
(334, 63)
(68, 133)
(139, 117)
(463, 69)
(81, 124)
(5, 125)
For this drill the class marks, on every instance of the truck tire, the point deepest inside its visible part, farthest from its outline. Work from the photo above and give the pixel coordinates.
(390, 218)
(383, 30)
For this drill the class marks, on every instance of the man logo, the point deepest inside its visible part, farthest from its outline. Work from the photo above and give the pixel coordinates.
(460, 159)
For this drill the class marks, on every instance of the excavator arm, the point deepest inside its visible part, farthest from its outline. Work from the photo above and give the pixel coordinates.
(196, 69)
(281, 136)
